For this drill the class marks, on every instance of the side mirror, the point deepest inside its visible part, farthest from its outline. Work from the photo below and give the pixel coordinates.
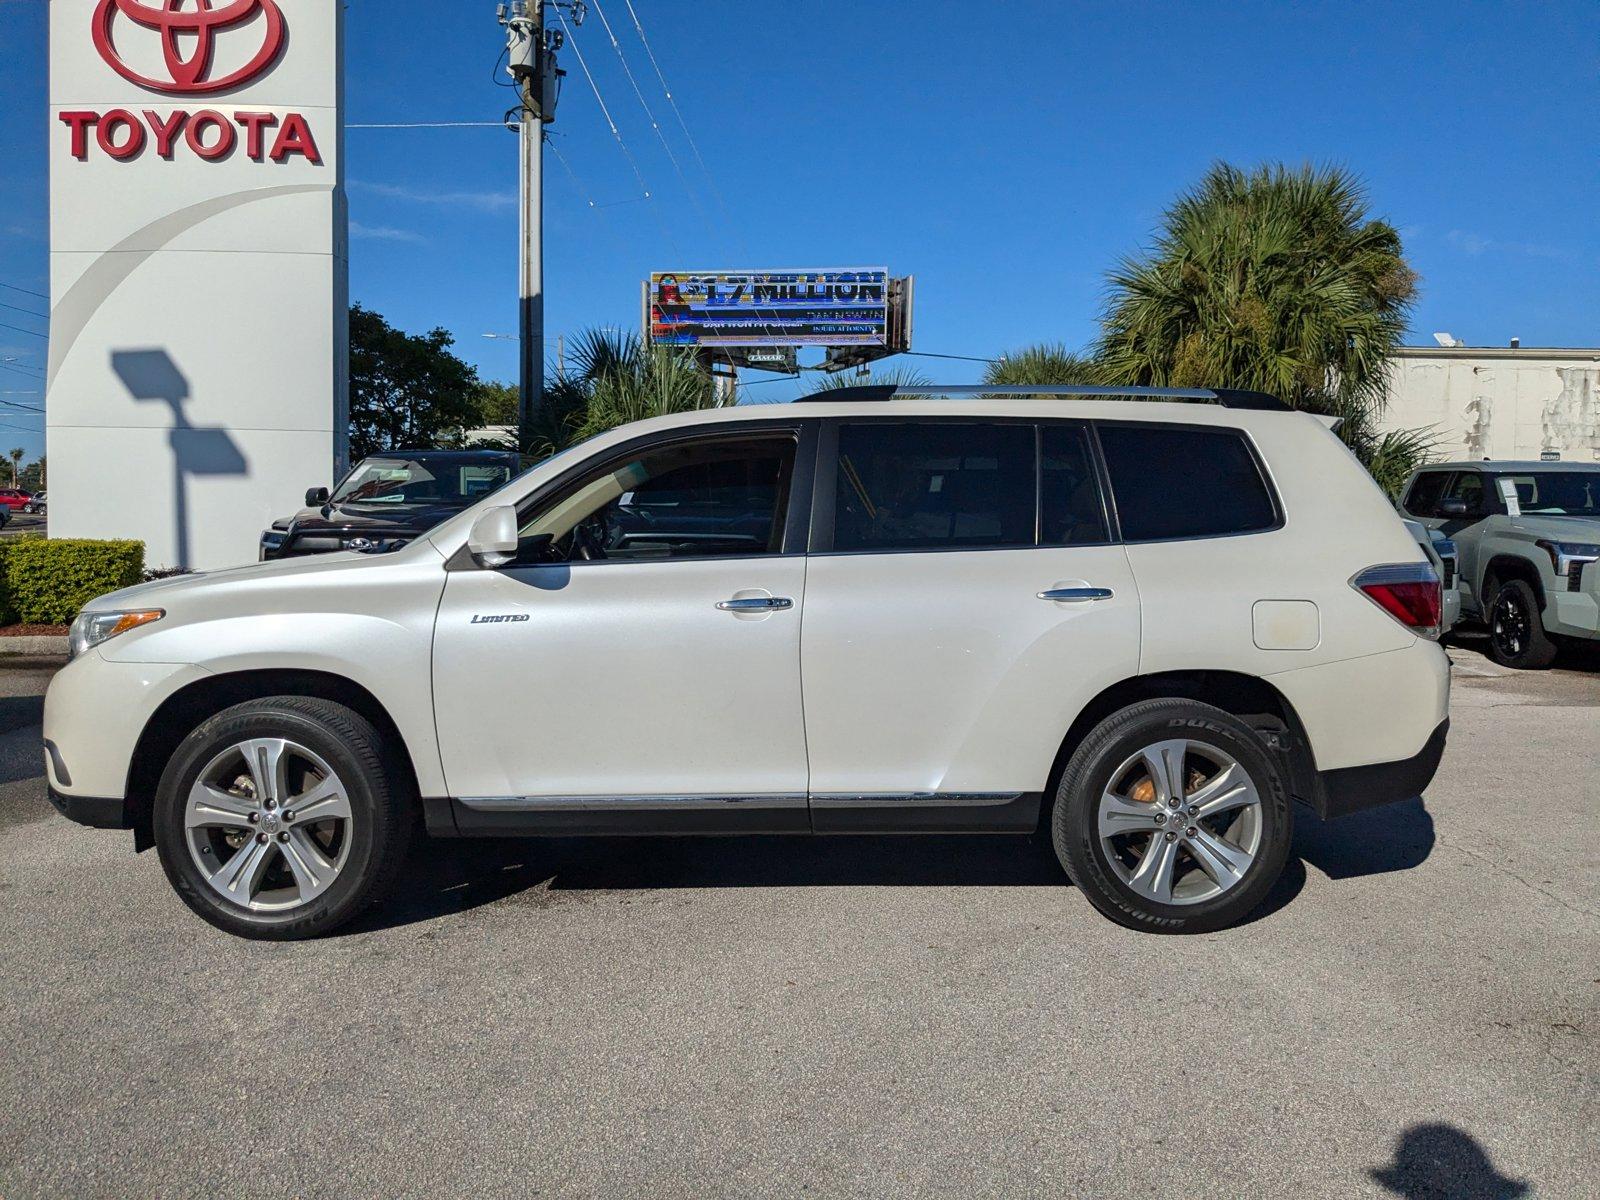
(316, 497)
(493, 540)
(1454, 508)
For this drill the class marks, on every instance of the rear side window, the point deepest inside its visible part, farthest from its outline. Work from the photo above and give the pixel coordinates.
(934, 486)
(1184, 482)
(1426, 492)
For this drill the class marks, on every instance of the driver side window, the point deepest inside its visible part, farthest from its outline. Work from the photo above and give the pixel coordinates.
(721, 497)
(1468, 488)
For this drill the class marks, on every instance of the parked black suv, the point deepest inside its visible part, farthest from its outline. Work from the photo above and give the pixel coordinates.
(389, 499)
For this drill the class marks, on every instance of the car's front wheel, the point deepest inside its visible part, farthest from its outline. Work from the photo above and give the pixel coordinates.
(282, 818)
(1516, 629)
(1172, 817)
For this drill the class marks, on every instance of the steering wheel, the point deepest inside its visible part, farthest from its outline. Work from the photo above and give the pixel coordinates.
(589, 537)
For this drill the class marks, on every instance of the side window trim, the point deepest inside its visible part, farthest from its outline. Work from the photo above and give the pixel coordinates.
(1102, 479)
(796, 505)
(1262, 473)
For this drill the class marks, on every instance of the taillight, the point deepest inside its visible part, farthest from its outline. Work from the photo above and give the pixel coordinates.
(1408, 592)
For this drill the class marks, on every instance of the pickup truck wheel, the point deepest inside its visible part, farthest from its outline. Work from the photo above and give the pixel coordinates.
(1172, 817)
(282, 818)
(1516, 630)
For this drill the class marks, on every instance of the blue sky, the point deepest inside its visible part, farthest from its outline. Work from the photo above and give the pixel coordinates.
(1006, 155)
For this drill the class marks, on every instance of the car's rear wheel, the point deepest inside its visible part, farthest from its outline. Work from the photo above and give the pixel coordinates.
(1172, 817)
(282, 818)
(1516, 630)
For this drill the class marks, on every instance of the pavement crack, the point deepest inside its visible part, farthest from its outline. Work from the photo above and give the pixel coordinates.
(1510, 874)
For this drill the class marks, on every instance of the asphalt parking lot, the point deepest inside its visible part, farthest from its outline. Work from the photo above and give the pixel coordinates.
(1415, 1012)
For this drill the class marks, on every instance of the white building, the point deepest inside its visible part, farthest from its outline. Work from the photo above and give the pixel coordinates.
(1500, 402)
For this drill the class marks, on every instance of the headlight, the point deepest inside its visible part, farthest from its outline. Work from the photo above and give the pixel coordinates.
(92, 628)
(1564, 554)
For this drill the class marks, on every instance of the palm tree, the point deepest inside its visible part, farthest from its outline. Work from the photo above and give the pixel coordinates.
(610, 378)
(17, 456)
(893, 376)
(1049, 362)
(1275, 280)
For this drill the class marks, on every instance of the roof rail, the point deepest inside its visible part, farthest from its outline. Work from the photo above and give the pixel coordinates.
(1226, 397)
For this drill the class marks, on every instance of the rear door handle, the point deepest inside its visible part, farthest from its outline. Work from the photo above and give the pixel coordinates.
(755, 603)
(1076, 595)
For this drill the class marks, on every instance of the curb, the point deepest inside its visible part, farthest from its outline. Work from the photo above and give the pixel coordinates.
(34, 645)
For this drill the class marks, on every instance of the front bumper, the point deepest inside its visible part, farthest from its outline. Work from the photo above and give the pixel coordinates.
(94, 713)
(1352, 789)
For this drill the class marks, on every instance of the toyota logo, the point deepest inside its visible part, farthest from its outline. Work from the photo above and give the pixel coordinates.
(197, 28)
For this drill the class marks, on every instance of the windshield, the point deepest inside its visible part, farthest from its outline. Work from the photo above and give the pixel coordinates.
(1558, 493)
(419, 480)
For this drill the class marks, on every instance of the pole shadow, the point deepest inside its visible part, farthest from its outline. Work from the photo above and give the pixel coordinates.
(151, 375)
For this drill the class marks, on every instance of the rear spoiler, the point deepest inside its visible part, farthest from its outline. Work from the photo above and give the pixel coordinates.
(1333, 423)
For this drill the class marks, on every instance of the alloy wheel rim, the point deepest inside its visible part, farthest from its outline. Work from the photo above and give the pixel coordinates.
(1510, 629)
(268, 824)
(1180, 822)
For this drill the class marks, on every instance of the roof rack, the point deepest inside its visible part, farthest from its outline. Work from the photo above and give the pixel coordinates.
(1226, 397)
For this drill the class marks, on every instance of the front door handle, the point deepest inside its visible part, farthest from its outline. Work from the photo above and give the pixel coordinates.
(755, 604)
(1076, 595)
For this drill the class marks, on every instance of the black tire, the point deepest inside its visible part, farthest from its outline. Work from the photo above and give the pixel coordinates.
(381, 810)
(1516, 629)
(1074, 827)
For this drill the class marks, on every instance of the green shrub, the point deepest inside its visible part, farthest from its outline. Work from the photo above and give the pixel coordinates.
(8, 602)
(45, 581)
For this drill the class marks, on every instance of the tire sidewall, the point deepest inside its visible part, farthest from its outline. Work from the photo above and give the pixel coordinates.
(1119, 737)
(369, 828)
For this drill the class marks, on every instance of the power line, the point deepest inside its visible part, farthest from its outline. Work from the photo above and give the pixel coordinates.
(29, 332)
(651, 117)
(25, 372)
(615, 132)
(19, 404)
(23, 290)
(29, 311)
(604, 111)
(684, 125)
(431, 125)
(959, 357)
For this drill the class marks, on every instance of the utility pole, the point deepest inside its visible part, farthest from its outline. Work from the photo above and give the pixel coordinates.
(531, 61)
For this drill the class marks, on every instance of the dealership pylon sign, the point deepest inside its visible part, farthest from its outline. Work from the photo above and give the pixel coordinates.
(197, 380)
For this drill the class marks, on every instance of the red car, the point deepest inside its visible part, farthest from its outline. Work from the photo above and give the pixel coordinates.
(14, 498)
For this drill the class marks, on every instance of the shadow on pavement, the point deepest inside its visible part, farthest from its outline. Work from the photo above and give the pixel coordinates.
(1395, 837)
(1441, 1162)
(19, 712)
(449, 876)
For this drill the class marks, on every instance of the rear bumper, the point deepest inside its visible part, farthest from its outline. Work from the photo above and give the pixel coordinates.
(1352, 789)
(97, 812)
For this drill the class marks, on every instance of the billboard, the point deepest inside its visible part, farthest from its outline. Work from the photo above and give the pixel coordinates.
(825, 307)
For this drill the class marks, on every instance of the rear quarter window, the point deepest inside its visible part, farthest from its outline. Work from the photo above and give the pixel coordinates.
(1177, 481)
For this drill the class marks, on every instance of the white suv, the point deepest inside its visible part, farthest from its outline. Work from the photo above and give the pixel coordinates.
(1151, 625)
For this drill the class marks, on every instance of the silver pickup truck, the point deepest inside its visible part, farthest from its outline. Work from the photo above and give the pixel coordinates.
(1527, 536)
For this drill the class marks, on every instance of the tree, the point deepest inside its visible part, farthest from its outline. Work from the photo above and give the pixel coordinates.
(497, 402)
(1275, 280)
(406, 390)
(900, 376)
(1048, 363)
(17, 456)
(619, 379)
(33, 476)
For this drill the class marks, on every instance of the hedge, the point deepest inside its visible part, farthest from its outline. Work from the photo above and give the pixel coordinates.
(45, 581)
